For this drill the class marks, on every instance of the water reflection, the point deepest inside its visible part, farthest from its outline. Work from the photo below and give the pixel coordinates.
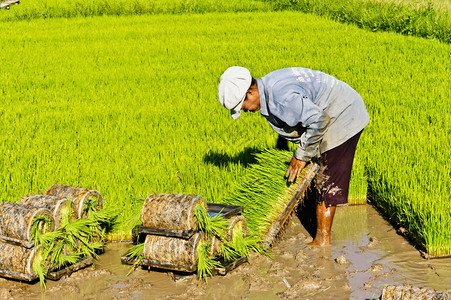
(379, 256)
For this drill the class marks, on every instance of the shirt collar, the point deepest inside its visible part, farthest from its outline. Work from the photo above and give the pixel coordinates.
(262, 94)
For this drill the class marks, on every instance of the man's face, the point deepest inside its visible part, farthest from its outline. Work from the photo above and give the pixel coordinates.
(252, 100)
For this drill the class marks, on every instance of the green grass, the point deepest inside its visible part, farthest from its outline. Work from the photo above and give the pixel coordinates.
(441, 5)
(128, 106)
(427, 19)
(424, 18)
(32, 9)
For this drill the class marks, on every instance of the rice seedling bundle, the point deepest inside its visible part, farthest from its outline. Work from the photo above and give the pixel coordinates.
(59, 207)
(16, 261)
(171, 211)
(264, 192)
(237, 226)
(30, 247)
(210, 238)
(172, 251)
(226, 238)
(20, 223)
(85, 200)
(73, 242)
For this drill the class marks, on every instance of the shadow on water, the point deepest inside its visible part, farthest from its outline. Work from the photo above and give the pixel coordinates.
(244, 158)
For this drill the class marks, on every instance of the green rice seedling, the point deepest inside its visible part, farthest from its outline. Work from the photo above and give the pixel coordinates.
(38, 226)
(107, 221)
(244, 245)
(212, 226)
(264, 192)
(39, 240)
(125, 227)
(228, 252)
(238, 246)
(205, 262)
(135, 252)
(69, 244)
(39, 267)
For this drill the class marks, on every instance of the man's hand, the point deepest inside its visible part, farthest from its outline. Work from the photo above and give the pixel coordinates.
(294, 169)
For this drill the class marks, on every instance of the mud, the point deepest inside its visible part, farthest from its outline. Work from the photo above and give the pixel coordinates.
(366, 254)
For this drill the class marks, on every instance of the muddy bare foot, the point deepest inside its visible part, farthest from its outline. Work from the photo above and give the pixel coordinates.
(316, 243)
(321, 239)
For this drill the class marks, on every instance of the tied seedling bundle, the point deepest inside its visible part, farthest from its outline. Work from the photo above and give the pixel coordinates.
(231, 236)
(85, 200)
(42, 233)
(73, 241)
(212, 237)
(264, 192)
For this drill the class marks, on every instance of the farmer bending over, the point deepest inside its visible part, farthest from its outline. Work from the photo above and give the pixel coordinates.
(322, 114)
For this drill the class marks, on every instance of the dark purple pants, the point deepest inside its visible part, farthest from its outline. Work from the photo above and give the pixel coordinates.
(336, 165)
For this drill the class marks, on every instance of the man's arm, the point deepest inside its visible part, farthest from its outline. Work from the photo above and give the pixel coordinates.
(297, 110)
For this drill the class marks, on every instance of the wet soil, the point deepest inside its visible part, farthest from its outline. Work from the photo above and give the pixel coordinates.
(366, 254)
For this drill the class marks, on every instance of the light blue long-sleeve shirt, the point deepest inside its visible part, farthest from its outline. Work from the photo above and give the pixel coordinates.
(311, 108)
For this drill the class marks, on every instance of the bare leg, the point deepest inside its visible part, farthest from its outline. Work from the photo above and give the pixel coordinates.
(324, 218)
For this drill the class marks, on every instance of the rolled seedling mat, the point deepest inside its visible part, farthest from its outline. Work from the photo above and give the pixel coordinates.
(58, 206)
(171, 252)
(235, 223)
(17, 262)
(80, 196)
(171, 211)
(16, 222)
(391, 292)
(215, 246)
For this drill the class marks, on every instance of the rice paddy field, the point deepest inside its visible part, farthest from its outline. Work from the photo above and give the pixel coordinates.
(126, 103)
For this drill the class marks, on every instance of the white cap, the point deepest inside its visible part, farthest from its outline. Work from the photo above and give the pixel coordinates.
(233, 88)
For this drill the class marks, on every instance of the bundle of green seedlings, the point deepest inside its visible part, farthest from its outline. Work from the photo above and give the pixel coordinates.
(264, 192)
(232, 247)
(74, 241)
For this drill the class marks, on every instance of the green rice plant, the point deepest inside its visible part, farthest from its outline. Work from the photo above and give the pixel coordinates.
(217, 226)
(69, 244)
(431, 19)
(212, 226)
(264, 192)
(38, 226)
(66, 9)
(107, 221)
(243, 245)
(40, 239)
(39, 268)
(205, 262)
(135, 252)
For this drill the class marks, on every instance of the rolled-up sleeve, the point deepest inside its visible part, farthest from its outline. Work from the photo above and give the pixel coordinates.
(298, 109)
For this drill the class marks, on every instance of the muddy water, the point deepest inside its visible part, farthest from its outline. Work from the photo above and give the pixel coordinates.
(365, 255)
